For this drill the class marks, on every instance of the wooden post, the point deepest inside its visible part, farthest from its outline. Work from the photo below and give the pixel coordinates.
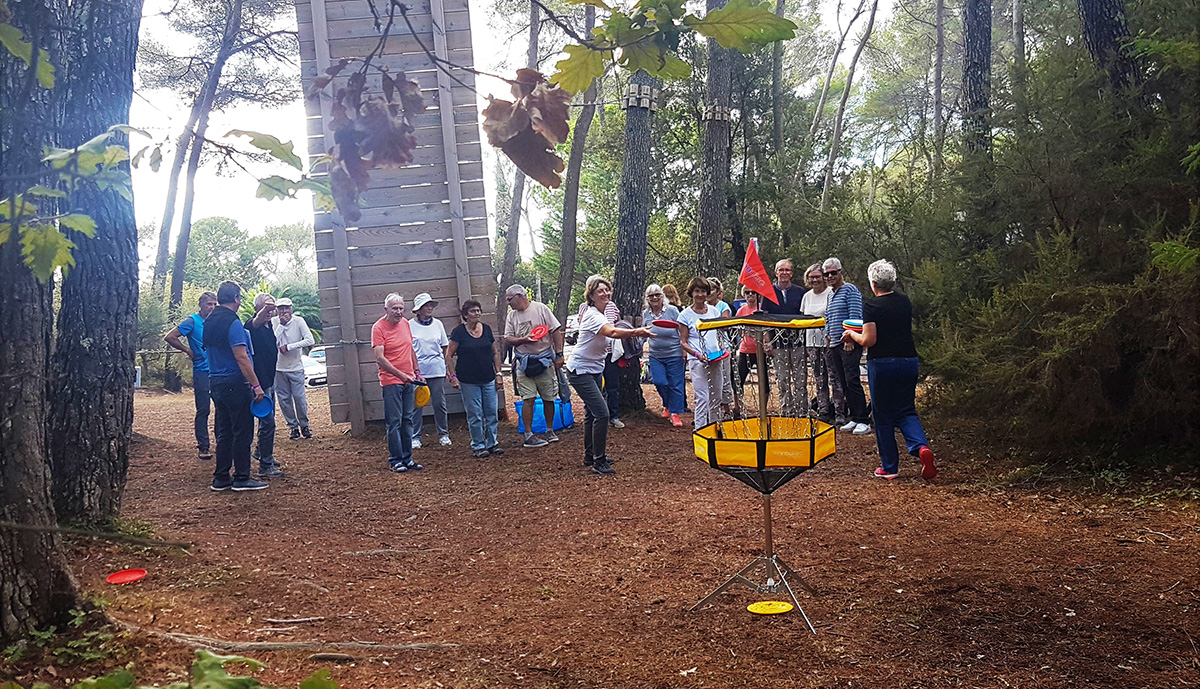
(349, 334)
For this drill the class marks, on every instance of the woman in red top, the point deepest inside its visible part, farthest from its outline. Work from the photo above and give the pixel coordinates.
(748, 350)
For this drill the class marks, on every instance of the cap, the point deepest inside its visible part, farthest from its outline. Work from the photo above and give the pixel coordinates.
(422, 299)
(283, 301)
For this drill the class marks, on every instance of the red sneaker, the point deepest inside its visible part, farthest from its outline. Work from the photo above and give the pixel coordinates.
(882, 473)
(666, 414)
(675, 421)
(928, 470)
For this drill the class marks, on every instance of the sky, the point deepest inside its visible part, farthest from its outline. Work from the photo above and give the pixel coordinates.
(163, 114)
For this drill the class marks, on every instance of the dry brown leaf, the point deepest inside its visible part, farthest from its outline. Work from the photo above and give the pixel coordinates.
(548, 111)
(535, 157)
(502, 120)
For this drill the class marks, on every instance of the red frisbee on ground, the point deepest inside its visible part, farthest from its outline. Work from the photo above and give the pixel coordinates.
(539, 332)
(126, 576)
(664, 323)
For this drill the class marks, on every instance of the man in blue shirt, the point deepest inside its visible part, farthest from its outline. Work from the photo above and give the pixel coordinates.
(234, 387)
(844, 359)
(193, 329)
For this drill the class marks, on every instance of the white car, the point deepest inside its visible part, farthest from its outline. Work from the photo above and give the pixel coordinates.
(314, 372)
(318, 353)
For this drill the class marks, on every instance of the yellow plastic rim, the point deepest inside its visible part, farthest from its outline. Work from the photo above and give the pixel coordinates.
(422, 395)
(769, 607)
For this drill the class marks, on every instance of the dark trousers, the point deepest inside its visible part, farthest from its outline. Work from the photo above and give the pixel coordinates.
(612, 388)
(264, 452)
(596, 417)
(745, 362)
(200, 387)
(893, 382)
(846, 369)
(234, 427)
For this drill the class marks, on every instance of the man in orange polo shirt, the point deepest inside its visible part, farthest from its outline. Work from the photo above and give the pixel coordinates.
(391, 339)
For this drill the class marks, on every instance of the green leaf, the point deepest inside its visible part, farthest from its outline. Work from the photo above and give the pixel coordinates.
(655, 60)
(129, 129)
(275, 187)
(80, 223)
(121, 679)
(271, 145)
(319, 680)
(594, 3)
(156, 158)
(45, 70)
(45, 249)
(743, 25)
(14, 41)
(114, 155)
(208, 672)
(24, 209)
(582, 65)
(137, 157)
(39, 190)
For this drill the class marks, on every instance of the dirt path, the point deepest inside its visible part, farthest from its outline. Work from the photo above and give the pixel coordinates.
(547, 576)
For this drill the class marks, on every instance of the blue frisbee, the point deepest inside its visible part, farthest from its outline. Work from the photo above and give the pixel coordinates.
(262, 408)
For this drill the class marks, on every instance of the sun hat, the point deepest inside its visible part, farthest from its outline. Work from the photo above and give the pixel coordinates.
(422, 299)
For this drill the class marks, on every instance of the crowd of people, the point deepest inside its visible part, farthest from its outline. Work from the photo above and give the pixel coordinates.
(237, 366)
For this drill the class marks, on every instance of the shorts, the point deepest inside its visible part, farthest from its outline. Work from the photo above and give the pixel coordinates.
(544, 385)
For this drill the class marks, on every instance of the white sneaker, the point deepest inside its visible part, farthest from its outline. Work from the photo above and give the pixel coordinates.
(416, 443)
(850, 425)
(617, 423)
(862, 429)
(445, 440)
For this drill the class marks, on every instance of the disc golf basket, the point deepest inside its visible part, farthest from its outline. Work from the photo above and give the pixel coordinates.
(765, 440)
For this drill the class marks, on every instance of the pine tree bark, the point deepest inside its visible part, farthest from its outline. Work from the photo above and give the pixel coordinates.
(777, 89)
(1106, 35)
(836, 143)
(91, 406)
(159, 280)
(233, 26)
(513, 236)
(833, 61)
(566, 262)
(939, 119)
(36, 586)
(714, 183)
(634, 199)
(977, 84)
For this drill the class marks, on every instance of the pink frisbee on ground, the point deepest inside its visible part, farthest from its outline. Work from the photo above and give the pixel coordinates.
(664, 323)
(539, 332)
(126, 576)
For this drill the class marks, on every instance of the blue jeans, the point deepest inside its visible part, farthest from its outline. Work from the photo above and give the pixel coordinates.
(668, 377)
(893, 384)
(200, 388)
(595, 417)
(398, 403)
(482, 419)
(234, 427)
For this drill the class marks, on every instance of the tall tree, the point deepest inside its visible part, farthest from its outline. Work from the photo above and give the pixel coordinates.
(977, 78)
(36, 586)
(833, 62)
(566, 265)
(1106, 35)
(633, 217)
(836, 142)
(777, 89)
(513, 235)
(939, 59)
(714, 165)
(91, 408)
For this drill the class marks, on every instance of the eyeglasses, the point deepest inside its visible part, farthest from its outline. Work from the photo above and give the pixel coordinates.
(831, 273)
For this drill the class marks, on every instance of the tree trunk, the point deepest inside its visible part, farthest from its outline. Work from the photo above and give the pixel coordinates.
(1106, 35)
(837, 52)
(633, 220)
(977, 69)
(714, 168)
(233, 25)
(566, 262)
(939, 120)
(513, 237)
(159, 281)
(835, 144)
(36, 586)
(777, 89)
(91, 406)
(1018, 29)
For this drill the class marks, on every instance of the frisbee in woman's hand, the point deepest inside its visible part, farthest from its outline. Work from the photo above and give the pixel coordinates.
(714, 357)
(664, 323)
(126, 576)
(539, 332)
(263, 407)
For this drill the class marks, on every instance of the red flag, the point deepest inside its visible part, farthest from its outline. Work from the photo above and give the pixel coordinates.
(754, 275)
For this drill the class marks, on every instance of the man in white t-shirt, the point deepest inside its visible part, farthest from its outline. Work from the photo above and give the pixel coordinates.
(292, 336)
(537, 359)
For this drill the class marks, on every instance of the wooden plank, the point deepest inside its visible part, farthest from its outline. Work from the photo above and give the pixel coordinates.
(400, 253)
(423, 24)
(362, 331)
(481, 285)
(406, 215)
(377, 197)
(402, 234)
(396, 45)
(414, 272)
(446, 309)
(357, 9)
(344, 293)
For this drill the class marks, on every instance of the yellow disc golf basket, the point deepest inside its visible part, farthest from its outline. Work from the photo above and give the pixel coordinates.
(770, 434)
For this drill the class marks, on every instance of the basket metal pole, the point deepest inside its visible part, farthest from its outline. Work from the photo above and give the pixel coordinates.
(760, 360)
(769, 546)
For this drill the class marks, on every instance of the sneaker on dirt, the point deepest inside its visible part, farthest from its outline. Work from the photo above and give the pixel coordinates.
(534, 441)
(861, 429)
(445, 440)
(849, 425)
(295, 434)
(882, 473)
(221, 484)
(249, 484)
(305, 433)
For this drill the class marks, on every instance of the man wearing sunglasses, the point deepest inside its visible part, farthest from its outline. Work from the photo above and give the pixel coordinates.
(846, 303)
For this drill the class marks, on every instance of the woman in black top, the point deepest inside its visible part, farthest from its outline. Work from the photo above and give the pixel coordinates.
(892, 373)
(476, 372)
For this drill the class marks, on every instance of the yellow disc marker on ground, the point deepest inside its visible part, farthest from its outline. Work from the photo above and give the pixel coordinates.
(769, 607)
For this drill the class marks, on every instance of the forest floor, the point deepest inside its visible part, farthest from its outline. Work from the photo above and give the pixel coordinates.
(529, 571)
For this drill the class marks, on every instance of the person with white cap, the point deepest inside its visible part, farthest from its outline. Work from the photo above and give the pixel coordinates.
(292, 335)
(430, 341)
